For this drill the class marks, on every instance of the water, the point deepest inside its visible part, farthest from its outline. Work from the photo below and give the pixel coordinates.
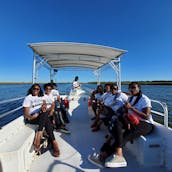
(7, 91)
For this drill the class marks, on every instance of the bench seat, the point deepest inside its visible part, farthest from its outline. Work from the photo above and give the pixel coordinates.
(15, 147)
(148, 150)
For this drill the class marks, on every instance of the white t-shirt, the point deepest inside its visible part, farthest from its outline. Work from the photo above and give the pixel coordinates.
(119, 100)
(98, 96)
(109, 100)
(49, 100)
(76, 84)
(34, 102)
(55, 93)
(105, 96)
(144, 102)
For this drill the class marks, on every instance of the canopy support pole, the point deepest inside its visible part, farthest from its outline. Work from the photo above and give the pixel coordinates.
(97, 74)
(115, 64)
(38, 62)
(51, 75)
(53, 72)
(34, 77)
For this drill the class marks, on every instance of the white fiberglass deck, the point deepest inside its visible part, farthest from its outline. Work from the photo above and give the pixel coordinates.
(78, 145)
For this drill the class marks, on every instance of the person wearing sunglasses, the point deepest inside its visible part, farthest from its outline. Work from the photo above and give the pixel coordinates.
(35, 112)
(127, 128)
(112, 104)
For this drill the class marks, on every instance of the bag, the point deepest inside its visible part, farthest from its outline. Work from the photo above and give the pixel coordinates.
(133, 119)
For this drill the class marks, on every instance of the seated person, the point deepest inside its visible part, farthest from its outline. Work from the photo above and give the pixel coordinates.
(100, 98)
(60, 115)
(49, 101)
(35, 112)
(95, 102)
(112, 105)
(125, 129)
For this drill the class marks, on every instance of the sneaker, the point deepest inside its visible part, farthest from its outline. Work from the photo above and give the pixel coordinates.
(116, 161)
(94, 159)
(65, 130)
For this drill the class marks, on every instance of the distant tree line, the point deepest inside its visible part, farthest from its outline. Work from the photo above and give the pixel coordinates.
(160, 82)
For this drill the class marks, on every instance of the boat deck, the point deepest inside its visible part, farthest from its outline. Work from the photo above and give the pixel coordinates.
(79, 144)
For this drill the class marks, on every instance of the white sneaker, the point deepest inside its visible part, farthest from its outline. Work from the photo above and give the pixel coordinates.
(116, 161)
(94, 159)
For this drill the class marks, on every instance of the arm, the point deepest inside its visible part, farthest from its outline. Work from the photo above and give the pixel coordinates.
(27, 115)
(145, 113)
(51, 109)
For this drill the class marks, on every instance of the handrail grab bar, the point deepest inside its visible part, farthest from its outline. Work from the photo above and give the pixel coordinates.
(165, 109)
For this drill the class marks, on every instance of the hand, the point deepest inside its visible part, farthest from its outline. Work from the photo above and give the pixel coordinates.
(128, 105)
(35, 115)
(51, 113)
(44, 106)
(129, 126)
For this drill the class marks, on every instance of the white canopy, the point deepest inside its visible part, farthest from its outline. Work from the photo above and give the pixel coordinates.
(59, 54)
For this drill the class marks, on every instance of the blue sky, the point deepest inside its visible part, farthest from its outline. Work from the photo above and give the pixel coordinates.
(142, 27)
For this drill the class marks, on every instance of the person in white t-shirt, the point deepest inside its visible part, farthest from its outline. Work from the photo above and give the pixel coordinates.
(60, 115)
(76, 84)
(99, 98)
(49, 99)
(112, 105)
(54, 92)
(136, 121)
(35, 112)
(139, 122)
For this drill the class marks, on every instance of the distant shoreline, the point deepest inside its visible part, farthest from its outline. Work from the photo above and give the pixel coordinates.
(94, 82)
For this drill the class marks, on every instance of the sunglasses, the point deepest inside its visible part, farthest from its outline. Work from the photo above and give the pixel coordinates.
(36, 89)
(114, 88)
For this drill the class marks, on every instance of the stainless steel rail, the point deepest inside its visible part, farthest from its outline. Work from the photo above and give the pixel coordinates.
(163, 105)
(165, 111)
(13, 110)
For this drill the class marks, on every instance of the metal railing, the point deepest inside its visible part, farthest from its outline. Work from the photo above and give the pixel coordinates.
(162, 104)
(13, 110)
(165, 111)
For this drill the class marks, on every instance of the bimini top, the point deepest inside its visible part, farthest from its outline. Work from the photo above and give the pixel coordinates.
(60, 54)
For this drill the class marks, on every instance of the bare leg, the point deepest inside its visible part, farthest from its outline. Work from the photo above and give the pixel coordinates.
(56, 148)
(37, 140)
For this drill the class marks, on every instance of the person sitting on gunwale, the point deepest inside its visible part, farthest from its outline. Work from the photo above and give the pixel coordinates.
(136, 121)
(35, 112)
